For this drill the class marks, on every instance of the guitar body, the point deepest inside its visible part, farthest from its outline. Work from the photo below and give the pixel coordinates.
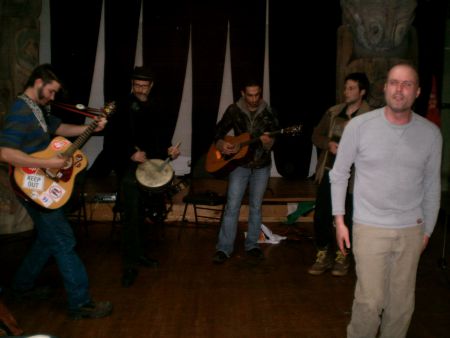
(218, 163)
(50, 188)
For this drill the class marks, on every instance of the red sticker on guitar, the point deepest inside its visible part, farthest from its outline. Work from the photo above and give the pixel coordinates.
(29, 170)
(59, 144)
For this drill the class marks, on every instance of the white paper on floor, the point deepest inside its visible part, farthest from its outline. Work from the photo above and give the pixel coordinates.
(267, 236)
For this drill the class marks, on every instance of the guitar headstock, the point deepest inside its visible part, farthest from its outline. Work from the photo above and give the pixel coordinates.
(109, 108)
(293, 130)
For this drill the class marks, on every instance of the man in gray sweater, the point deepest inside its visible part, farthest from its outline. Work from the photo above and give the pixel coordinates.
(397, 158)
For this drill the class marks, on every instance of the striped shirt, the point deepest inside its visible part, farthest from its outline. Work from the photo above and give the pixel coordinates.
(22, 130)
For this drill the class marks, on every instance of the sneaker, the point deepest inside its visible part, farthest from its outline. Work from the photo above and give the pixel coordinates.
(341, 264)
(323, 263)
(255, 253)
(92, 310)
(219, 257)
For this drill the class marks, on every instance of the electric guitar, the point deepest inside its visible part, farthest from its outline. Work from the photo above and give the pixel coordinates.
(51, 188)
(218, 163)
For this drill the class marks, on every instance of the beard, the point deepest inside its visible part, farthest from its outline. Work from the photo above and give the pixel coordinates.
(42, 100)
(141, 97)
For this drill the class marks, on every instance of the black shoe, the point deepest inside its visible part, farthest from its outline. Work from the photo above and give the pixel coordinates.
(148, 262)
(219, 257)
(255, 253)
(92, 310)
(36, 293)
(128, 277)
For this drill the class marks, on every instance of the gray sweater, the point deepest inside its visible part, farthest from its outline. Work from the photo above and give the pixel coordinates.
(397, 180)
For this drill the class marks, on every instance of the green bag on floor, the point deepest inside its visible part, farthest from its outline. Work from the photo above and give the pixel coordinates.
(302, 209)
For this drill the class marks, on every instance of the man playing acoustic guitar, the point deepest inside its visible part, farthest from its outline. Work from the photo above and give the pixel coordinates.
(252, 115)
(28, 130)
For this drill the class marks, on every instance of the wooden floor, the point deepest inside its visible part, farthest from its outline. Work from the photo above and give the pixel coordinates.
(188, 296)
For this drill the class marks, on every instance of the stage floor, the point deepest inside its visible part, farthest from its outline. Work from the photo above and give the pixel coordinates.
(281, 199)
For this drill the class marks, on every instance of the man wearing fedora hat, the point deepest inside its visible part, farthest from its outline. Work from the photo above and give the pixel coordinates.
(136, 133)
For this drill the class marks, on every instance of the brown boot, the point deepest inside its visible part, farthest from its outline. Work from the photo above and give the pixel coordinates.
(323, 263)
(341, 264)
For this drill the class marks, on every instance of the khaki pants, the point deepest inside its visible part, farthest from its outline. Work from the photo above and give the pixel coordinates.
(386, 267)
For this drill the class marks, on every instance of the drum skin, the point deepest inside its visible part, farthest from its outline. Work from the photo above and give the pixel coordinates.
(154, 174)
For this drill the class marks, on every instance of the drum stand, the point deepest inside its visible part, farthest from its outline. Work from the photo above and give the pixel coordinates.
(157, 206)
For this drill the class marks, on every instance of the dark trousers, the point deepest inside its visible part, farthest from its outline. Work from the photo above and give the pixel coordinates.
(323, 219)
(136, 205)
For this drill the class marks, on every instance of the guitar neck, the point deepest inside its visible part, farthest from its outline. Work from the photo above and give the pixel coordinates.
(255, 139)
(81, 139)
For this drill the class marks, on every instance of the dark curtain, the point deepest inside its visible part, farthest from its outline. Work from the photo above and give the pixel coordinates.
(247, 35)
(121, 30)
(74, 34)
(430, 23)
(166, 29)
(209, 29)
(302, 58)
(302, 75)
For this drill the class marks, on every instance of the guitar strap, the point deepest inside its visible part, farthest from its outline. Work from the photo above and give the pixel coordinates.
(36, 111)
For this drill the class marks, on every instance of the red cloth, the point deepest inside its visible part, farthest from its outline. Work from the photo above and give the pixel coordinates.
(433, 113)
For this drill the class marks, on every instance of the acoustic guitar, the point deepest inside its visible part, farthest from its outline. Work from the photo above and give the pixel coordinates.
(51, 188)
(219, 163)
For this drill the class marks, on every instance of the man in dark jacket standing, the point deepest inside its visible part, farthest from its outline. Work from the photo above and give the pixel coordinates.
(252, 115)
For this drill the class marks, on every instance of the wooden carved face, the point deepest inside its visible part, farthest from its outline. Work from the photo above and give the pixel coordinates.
(379, 25)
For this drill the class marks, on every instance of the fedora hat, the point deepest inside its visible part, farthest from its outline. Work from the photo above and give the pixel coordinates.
(142, 73)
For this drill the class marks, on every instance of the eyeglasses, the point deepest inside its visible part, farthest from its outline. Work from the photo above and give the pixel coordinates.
(402, 84)
(141, 86)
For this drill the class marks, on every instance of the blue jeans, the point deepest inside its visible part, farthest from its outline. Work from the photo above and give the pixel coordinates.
(239, 178)
(54, 237)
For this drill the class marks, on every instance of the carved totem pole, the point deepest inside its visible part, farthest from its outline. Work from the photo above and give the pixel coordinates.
(19, 55)
(375, 35)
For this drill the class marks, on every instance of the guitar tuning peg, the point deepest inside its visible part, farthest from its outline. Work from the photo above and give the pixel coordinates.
(109, 107)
